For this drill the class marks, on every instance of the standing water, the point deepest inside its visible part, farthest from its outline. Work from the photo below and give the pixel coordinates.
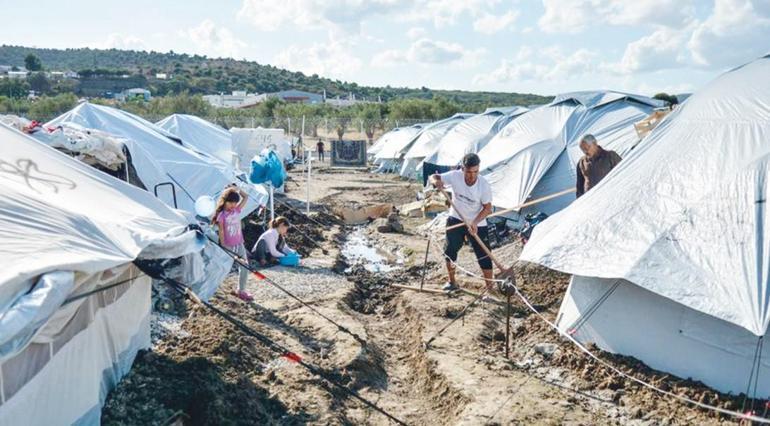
(358, 250)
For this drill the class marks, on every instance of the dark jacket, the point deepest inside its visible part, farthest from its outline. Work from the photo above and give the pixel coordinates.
(590, 171)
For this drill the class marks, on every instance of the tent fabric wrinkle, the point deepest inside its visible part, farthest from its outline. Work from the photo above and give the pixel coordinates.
(160, 162)
(200, 135)
(662, 221)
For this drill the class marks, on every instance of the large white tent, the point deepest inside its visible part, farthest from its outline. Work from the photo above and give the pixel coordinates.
(669, 254)
(391, 145)
(67, 229)
(471, 135)
(536, 154)
(201, 135)
(176, 174)
(424, 143)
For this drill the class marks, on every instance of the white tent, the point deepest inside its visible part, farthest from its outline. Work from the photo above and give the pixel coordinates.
(250, 142)
(175, 174)
(535, 154)
(67, 229)
(201, 135)
(471, 135)
(425, 142)
(670, 253)
(387, 156)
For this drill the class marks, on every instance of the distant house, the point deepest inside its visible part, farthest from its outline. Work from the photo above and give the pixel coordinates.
(71, 74)
(238, 99)
(18, 74)
(5, 68)
(132, 94)
(56, 74)
(297, 96)
(161, 76)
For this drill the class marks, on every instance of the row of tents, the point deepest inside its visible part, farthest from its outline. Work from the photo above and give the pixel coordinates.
(82, 198)
(525, 153)
(670, 253)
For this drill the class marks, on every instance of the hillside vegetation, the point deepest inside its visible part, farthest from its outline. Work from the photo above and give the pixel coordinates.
(101, 69)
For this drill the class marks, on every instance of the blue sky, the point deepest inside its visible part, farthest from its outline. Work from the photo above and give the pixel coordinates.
(537, 46)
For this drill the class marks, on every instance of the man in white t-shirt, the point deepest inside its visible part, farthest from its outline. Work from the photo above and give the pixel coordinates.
(472, 199)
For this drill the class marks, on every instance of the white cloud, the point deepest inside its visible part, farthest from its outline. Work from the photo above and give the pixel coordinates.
(121, 41)
(573, 16)
(736, 32)
(346, 15)
(331, 59)
(730, 36)
(662, 49)
(416, 32)
(549, 64)
(492, 24)
(428, 52)
(212, 40)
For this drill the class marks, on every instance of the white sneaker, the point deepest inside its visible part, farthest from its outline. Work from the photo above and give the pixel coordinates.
(450, 287)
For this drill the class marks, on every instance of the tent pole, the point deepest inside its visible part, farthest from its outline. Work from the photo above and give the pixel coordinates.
(508, 326)
(309, 168)
(272, 205)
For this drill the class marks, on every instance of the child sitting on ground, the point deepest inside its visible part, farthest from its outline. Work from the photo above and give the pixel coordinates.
(271, 245)
(227, 218)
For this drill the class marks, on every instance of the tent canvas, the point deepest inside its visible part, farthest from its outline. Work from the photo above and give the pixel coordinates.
(395, 141)
(536, 153)
(177, 175)
(693, 249)
(67, 228)
(248, 142)
(470, 135)
(425, 142)
(201, 135)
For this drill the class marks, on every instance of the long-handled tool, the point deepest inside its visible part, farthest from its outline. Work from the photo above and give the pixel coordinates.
(505, 273)
(521, 206)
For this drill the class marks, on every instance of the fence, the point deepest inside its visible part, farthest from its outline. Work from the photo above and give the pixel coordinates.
(329, 128)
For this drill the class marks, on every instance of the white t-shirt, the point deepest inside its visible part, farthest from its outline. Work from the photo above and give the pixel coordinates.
(468, 200)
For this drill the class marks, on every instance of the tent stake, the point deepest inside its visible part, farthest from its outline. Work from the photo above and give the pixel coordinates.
(425, 264)
(507, 326)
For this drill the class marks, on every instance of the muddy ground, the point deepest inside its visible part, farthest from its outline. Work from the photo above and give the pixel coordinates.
(205, 371)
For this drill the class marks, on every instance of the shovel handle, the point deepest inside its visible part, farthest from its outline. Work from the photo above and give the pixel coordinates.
(475, 235)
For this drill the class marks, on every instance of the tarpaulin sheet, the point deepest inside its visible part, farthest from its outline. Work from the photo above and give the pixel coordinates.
(470, 135)
(684, 214)
(200, 135)
(159, 160)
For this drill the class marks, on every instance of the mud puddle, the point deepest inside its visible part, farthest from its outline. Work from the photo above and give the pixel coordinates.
(358, 251)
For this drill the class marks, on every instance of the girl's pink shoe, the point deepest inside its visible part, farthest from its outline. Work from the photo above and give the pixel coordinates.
(246, 297)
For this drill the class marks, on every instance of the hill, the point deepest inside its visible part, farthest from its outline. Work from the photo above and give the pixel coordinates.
(107, 68)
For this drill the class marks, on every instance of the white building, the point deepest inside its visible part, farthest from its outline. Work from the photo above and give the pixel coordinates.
(238, 98)
(18, 74)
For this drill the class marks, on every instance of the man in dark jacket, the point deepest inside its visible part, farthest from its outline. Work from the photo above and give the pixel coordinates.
(594, 165)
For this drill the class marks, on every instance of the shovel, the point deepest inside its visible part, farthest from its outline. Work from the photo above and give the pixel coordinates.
(505, 273)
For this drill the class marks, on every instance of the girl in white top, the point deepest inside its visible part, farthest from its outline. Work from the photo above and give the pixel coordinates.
(271, 245)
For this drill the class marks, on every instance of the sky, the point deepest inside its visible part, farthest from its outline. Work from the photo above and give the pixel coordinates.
(531, 46)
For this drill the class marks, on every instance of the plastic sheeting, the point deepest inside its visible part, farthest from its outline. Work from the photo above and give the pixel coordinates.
(248, 143)
(471, 135)
(684, 215)
(66, 379)
(200, 135)
(397, 140)
(665, 335)
(523, 152)
(162, 163)
(430, 137)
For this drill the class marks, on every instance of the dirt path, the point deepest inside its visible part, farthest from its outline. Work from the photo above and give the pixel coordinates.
(207, 372)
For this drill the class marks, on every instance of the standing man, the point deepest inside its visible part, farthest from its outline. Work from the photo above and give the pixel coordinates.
(472, 199)
(320, 149)
(594, 165)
